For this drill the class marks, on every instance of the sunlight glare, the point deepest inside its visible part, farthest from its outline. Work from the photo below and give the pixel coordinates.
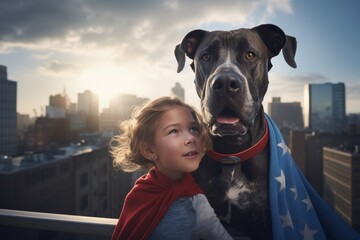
(105, 81)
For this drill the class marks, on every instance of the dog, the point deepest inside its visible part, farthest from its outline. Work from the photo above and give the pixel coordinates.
(231, 79)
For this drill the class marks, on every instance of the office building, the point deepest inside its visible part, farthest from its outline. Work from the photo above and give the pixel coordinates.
(88, 104)
(122, 105)
(287, 116)
(108, 121)
(353, 124)
(58, 100)
(324, 107)
(55, 112)
(178, 91)
(78, 179)
(8, 116)
(57, 106)
(47, 133)
(306, 149)
(341, 169)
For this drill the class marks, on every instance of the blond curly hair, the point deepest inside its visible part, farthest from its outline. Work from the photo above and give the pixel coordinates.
(140, 128)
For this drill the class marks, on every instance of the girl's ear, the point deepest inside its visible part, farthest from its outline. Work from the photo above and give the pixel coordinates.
(147, 152)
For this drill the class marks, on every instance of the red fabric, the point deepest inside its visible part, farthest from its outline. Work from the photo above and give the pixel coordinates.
(148, 201)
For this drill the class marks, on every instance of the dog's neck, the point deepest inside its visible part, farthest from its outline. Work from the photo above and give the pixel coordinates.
(238, 143)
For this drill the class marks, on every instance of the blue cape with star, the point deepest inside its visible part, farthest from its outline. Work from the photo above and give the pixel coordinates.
(297, 211)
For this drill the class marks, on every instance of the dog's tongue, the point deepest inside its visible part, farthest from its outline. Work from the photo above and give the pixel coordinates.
(227, 120)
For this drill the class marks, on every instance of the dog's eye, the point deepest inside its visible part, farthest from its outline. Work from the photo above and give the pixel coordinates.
(206, 57)
(249, 55)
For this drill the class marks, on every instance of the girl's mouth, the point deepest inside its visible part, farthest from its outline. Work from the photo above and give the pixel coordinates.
(190, 154)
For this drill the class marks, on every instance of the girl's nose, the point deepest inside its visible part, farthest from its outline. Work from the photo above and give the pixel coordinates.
(189, 139)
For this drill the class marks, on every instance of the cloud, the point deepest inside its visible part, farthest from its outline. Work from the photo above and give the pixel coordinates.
(292, 83)
(56, 68)
(32, 20)
(129, 35)
(4, 48)
(42, 56)
(352, 92)
(291, 87)
(272, 6)
(135, 28)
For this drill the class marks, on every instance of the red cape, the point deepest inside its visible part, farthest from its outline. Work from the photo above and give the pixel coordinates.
(148, 201)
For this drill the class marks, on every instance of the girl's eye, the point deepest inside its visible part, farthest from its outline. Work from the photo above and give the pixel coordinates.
(194, 129)
(173, 131)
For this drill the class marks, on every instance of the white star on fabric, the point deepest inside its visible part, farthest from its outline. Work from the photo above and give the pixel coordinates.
(308, 203)
(281, 180)
(308, 233)
(284, 147)
(286, 220)
(294, 190)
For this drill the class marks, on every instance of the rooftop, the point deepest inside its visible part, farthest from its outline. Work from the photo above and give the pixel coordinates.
(30, 160)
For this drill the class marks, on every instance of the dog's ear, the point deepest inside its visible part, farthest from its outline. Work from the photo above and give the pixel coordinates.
(275, 40)
(289, 51)
(188, 46)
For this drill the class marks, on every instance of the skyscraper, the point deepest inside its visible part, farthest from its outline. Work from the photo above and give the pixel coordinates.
(286, 114)
(324, 107)
(57, 106)
(341, 169)
(122, 105)
(7, 114)
(88, 104)
(178, 91)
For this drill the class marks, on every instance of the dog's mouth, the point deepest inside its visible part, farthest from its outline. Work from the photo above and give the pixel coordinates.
(227, 122)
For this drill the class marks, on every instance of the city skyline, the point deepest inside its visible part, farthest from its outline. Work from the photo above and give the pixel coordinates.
(64, 94)
(121, 47)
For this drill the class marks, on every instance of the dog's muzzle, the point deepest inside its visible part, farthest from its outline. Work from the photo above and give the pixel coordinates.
(226, 101)
(226, 83)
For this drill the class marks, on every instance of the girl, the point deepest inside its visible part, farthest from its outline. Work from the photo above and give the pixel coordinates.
(165, 203)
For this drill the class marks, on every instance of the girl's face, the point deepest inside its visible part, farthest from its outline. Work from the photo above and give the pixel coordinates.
(178, 147)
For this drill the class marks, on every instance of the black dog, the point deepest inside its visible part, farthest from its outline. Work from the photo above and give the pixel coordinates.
(231, 78)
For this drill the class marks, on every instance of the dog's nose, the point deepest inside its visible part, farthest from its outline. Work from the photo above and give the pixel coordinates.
(227, 81)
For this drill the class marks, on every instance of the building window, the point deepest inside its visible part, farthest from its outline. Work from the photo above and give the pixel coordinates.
(64, 167)
(84, 179)
(84, 202)
(104, 189)
(104, 169)
(105, 205)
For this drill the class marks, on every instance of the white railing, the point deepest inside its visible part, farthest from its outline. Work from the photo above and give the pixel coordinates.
(97, 227)
(58, 222)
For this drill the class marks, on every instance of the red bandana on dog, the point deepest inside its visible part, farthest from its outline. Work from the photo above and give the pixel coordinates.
(146, 204)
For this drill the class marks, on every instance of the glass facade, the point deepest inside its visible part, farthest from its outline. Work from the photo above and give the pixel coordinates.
(7, 114)
(324, 107)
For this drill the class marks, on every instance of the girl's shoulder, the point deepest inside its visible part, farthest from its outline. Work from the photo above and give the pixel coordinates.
(200, 200)
(180, 215)
(208, 224)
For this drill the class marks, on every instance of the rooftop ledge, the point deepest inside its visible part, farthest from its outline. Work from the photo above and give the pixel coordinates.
(73, 224)
(58, 222)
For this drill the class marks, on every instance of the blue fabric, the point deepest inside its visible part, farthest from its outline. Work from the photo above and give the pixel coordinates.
(298, 212)
(179, 222)
(190, 218)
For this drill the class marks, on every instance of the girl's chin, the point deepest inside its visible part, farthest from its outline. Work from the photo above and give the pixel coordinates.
(193, 168)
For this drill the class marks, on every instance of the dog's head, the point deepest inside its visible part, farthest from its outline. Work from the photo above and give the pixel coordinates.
(231, 72)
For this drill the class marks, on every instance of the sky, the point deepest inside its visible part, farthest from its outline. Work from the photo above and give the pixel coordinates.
(127, 47)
